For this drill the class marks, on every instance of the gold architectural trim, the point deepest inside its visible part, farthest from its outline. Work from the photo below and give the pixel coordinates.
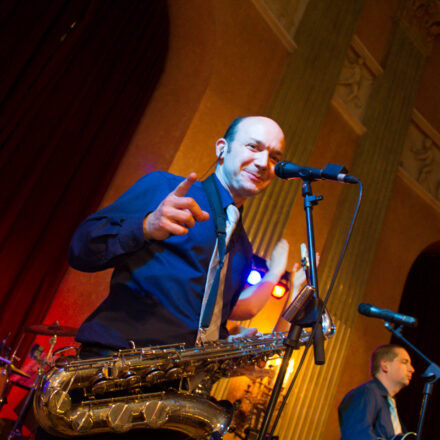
(427, 131)
(353, 122)
(374, 68)
(370, 61)
(426, 127)
(275, 25)
(420, 191)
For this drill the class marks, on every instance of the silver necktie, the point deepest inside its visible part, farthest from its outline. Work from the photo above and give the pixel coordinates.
(394, 416)
(212, 332)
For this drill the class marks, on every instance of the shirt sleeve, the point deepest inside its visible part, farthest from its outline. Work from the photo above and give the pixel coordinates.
(104, 238)
(357, 415)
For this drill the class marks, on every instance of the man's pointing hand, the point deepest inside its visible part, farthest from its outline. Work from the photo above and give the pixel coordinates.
(176, 213)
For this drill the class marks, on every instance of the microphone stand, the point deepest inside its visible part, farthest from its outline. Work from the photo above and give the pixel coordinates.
(430, 375)
(308, 317)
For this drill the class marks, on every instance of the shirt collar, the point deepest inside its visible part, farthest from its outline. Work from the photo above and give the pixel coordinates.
(381, 387)
(225, 195)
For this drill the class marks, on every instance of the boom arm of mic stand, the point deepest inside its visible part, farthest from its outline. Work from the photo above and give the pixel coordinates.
(430, 375)
(398, 334)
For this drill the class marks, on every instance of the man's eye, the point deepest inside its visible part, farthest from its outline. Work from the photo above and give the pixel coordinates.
(252, 147)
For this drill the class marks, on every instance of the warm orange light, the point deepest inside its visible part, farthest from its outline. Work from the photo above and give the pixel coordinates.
(278, 291)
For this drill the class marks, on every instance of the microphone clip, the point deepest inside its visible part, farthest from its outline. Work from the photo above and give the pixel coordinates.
(332, 171)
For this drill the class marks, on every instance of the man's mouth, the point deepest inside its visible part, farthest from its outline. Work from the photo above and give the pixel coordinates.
(254, 177)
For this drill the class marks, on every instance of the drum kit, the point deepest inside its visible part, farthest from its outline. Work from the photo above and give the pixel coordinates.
(8, 369)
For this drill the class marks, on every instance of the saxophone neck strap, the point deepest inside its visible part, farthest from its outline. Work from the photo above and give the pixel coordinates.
(210, 187)
(212, 192)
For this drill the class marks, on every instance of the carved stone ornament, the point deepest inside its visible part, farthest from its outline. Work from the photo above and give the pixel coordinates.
(355, 83)
(423, 19)
(421, 160)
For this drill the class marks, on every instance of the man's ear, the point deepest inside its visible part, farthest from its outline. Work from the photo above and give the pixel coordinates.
(384, 366)
(220, 147)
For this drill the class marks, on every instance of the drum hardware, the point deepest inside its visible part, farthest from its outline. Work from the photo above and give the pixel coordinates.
(4, 349)
(5, 371)
(43, 362)
(17, 427)
(13, 368)
(53, 330)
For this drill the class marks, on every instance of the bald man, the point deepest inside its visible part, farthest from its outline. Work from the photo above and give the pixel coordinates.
(159, 237)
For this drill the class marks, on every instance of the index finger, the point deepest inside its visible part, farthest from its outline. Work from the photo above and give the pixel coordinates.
(183, 187)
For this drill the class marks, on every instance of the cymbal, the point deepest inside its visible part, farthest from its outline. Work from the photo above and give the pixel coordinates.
(52, 329)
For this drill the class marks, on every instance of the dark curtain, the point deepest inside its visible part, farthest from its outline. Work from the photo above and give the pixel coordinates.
(421, 298)
(76, 77)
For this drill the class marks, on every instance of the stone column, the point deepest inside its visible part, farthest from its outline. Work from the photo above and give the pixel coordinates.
(300, 105)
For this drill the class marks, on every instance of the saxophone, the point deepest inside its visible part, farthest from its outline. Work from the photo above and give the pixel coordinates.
(164, 387)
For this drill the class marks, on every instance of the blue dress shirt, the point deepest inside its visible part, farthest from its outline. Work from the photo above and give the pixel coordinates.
(157, 287)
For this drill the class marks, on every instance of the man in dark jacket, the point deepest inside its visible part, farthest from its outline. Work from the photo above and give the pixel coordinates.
(369, 411)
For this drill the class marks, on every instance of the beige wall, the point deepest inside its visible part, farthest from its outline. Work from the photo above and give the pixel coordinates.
(242, 81)
(375, 26)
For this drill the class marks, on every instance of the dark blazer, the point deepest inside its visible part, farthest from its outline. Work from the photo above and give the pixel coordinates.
(364, 413)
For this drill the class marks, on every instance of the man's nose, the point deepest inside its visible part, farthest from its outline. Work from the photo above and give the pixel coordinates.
(262, 159)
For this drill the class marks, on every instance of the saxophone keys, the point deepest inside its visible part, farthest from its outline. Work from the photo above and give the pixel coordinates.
(59, 402)
(174, 373)
(82, 421)
(211, 367)
(99, 384)
(119, 417)
(132, 380)
(154, 377)
(156, 413)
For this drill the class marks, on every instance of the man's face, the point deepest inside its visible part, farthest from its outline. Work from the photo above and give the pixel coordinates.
(400, 370)
(248, 162)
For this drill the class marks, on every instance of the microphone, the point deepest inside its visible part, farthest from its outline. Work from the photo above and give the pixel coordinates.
(289, 170)
(387, 315)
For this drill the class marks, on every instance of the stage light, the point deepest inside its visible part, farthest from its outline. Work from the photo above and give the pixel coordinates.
(279, 291)
(259, 268)
(254, 277)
